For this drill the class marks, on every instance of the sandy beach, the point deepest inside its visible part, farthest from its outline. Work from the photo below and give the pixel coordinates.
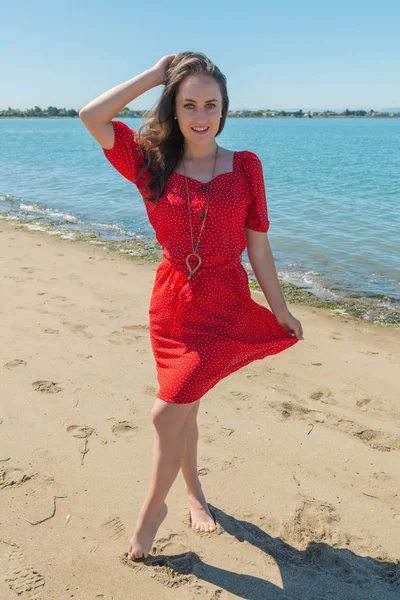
(298, 453)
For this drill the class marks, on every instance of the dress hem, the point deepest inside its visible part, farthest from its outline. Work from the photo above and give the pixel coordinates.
(243, 363)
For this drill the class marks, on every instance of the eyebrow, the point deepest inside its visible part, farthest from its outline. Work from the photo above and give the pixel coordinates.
(190, 100)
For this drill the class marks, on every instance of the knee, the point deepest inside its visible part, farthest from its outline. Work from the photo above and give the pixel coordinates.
(165, 417)
(191, 416)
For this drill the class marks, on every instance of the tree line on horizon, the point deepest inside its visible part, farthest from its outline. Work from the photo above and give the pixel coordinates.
(53, 111)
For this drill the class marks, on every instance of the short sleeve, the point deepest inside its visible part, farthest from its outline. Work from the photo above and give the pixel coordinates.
(257, 212)
(126, 156)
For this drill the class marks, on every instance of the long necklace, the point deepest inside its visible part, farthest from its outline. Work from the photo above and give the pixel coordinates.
(194, 249)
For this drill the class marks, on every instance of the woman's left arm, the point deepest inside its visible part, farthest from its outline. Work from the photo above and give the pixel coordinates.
(263, 265)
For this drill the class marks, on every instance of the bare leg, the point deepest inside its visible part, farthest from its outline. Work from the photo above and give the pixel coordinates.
(201, 517)
(169, 448)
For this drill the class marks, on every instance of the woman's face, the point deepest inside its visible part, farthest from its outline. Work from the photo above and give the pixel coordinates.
(198, 104)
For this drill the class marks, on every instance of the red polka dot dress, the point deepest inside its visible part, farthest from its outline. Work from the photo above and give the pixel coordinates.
(203, 329)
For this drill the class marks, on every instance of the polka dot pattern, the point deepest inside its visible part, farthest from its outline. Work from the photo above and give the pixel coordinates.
(206, 328)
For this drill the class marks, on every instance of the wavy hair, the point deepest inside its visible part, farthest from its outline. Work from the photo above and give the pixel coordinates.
(160, 137)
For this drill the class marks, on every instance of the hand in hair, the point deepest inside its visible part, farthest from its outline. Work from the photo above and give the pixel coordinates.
(162, 65)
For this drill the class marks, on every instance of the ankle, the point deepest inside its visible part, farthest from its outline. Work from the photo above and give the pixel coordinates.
(194, 490)
(152, 506)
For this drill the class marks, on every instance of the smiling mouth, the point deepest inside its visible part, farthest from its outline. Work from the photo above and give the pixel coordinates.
(200, 129)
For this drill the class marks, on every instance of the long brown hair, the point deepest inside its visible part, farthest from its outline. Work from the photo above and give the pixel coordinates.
(160, 137)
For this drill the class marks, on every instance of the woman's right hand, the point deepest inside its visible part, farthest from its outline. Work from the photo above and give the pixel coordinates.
(162, 65)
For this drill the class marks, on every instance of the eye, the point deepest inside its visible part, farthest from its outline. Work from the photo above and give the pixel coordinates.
(209, 104)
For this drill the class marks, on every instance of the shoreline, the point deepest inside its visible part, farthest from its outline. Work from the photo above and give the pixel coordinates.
(383, 312)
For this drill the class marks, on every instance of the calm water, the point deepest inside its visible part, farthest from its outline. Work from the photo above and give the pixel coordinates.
(333, 191)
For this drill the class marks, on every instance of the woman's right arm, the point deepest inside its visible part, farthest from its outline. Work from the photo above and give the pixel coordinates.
(98, 114)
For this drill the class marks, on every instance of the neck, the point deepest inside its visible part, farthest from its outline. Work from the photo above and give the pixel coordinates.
(196, 152)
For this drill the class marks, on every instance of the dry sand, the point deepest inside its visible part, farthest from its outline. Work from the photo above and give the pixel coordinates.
(298, 453)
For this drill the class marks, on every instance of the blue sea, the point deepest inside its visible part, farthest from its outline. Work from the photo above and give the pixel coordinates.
(333, 192)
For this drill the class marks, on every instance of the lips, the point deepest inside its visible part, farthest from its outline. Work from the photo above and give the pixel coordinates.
(200, 132)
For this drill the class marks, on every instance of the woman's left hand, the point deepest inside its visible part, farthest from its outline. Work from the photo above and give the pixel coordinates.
(291, 324)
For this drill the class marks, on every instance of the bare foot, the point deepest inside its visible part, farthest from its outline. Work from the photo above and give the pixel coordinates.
(145, 532)
(201, 518)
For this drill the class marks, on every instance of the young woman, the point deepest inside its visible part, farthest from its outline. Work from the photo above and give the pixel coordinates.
(206, 204)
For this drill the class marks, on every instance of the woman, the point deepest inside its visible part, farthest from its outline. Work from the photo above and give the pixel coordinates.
(206, 204)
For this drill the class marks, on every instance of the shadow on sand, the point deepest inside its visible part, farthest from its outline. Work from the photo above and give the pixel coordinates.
(320, 572)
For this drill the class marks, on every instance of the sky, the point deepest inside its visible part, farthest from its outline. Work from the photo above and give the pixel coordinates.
(276, 55)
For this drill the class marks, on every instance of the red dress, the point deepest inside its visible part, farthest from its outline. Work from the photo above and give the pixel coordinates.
(206, 328)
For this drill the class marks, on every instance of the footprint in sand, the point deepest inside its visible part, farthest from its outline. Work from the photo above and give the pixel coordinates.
(17, 362)
(78, 328)
(378, 440)
(203, 471)
(315, 521)
(173, 554)
(324, 396)
(124, 429)
(80, 431)
(375, 406)
(363, 402)
(21, 577)
(13, 477)
(46, 387)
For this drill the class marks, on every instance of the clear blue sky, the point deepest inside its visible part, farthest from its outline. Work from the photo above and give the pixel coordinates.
(277, 55)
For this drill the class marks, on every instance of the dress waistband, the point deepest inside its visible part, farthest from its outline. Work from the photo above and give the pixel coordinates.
(220, 262)
(186, 288)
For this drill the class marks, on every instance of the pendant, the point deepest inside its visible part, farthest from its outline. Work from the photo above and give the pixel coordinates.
(193, 271)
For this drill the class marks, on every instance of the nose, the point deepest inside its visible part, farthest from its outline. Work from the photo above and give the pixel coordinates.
(200, 115)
